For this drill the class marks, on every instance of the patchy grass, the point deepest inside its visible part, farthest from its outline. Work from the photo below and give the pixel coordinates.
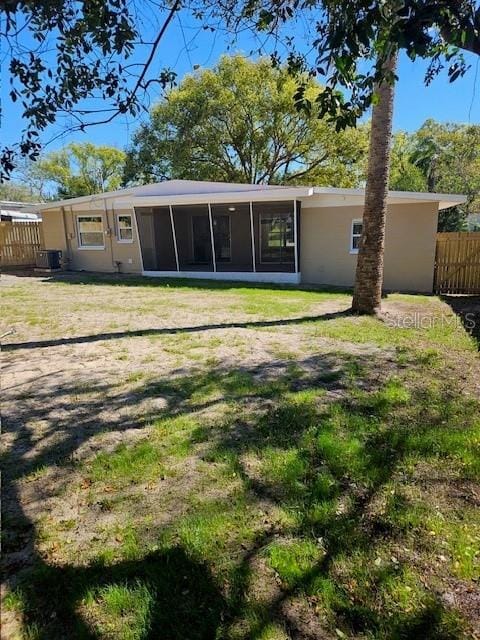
(128, 464)
(120, 610)
(292, 560)
(262, 479)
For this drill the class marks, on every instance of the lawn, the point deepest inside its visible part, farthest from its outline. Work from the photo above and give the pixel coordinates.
(194, 460)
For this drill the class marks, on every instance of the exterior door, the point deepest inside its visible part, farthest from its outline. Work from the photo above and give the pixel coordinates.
(202, 242)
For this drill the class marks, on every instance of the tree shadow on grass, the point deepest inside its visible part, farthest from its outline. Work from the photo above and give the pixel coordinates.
(467, 308)
(342, 456)
(164, 595)
(346, 469)
(142, 333)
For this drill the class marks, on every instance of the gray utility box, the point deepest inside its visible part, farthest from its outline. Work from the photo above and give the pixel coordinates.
(49, 259)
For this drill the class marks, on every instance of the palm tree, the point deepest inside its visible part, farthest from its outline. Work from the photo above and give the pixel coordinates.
(367, 293)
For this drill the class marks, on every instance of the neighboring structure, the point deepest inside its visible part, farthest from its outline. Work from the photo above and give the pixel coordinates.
(17, 211)
(243, 232)
(20, 235)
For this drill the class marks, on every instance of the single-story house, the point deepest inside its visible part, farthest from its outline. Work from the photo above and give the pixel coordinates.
(256, 233)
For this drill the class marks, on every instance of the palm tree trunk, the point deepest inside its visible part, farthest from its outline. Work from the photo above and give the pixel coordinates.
(367, 293)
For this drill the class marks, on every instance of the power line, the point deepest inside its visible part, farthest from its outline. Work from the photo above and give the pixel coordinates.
(474, 91)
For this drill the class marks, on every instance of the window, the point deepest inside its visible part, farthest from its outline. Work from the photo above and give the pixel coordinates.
(90, 232)
(124, 228)
(357, 226)
(277, 242)
(221, 238)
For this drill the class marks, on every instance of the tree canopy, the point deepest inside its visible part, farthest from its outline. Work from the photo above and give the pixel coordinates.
(79, 169)
(444, 158)
(91, 62)
(345, 33)
(238, 122)
(76, 60)
(15, 192)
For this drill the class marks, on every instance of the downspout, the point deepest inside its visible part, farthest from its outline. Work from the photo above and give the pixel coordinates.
(74, 226)
(134, 213)
(115, 265)
(67, 258)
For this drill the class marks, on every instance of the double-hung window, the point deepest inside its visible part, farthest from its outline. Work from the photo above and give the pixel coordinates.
(356, 235)
(124, 227)
(90, 232)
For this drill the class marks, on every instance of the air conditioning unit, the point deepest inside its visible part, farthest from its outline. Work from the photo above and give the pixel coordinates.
(49, 259)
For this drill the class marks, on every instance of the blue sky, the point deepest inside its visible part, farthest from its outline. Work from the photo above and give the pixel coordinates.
(186, 45)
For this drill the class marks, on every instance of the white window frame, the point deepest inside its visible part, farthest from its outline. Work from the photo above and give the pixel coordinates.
(84, 247)
(119, 239)
(353, 250)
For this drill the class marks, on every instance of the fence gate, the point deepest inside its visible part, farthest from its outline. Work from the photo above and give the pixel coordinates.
(457, 263)
(19, 242)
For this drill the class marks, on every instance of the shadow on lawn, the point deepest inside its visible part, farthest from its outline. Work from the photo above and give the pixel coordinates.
(167, 594)
(352, 466)
(467, 309)
(142, 333)
(348, 452)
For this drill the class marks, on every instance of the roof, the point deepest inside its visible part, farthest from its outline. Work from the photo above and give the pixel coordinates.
(445, 200)
(195, 191)
(20, 211)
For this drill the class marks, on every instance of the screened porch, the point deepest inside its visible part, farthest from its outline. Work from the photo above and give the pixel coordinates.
(247, 240)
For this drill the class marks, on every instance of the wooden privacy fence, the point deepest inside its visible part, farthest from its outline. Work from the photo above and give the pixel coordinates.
(457, 263)
(19, 243)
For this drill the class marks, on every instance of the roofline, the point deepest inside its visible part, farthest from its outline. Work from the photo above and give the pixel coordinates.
(132, 190)
(216, 197)
(127, 197)
(16, 203)
(424, 195)
(453, 198)
(55, 204)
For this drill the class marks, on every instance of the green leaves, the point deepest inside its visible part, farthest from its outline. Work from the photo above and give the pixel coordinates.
(347, 33)
(82, 169)
(80, 52)
(246, 121)
(443, 158)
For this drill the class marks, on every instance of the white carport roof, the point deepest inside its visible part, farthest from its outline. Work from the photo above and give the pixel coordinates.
(176, 192)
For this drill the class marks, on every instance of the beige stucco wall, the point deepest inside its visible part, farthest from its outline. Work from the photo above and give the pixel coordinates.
(53, 230)
(410, 236)
(60, 232)
(325, 256)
